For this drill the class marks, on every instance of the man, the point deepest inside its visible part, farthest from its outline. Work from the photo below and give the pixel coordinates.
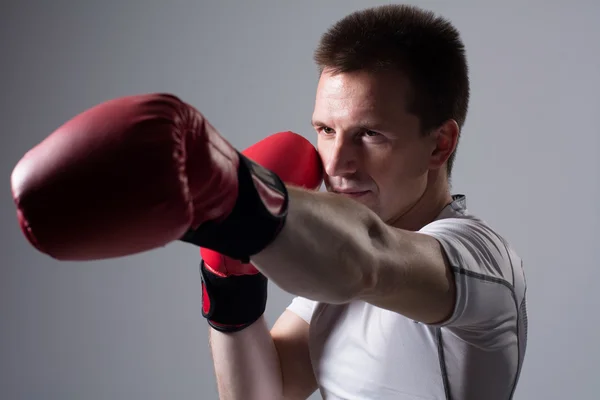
(400, 292)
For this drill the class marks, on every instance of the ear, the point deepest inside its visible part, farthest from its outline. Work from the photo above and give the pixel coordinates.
(445, 139)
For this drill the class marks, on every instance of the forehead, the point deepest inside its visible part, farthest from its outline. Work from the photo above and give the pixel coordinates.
(378, 94)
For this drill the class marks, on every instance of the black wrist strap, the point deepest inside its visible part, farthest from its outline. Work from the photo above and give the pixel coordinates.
(232, 303)
(256, 219)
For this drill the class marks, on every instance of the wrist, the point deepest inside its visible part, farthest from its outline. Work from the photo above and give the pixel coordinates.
(256, 219)
(234, 302)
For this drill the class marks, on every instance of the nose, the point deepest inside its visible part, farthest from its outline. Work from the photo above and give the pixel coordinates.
(340, 156)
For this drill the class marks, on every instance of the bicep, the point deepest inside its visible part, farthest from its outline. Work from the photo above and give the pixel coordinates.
(413, 278)
(290, 335)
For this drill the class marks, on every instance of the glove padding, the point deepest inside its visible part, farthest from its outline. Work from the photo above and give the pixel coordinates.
(136, 173)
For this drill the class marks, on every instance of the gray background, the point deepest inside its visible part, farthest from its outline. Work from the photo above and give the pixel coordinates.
(131, 328)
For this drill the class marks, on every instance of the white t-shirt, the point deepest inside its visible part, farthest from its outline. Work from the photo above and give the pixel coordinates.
(360, 351)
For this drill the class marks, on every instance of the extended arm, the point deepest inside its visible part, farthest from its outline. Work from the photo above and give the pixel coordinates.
(333, 249)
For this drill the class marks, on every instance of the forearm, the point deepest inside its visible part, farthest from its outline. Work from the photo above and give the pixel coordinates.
(336, 250)
(326, 249)
(246, 363)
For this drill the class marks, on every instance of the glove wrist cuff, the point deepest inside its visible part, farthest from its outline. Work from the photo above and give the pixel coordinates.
(256, 219)
(232, 303)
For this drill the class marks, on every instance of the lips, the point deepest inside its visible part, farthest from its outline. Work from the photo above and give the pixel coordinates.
(352, 193)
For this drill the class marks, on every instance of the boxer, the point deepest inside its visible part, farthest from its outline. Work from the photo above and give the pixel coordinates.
(400, 292)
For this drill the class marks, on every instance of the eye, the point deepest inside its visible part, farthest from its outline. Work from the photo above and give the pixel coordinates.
(373, 137)
(326, 130)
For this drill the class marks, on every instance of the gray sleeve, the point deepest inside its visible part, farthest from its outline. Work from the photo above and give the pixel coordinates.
(488, 274)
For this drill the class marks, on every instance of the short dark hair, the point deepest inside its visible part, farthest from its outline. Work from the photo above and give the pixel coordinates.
(425, 47)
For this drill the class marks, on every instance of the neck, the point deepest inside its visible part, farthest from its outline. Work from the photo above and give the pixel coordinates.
(433, 200)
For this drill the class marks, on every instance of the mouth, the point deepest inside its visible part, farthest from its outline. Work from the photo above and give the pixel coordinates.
(354, 194)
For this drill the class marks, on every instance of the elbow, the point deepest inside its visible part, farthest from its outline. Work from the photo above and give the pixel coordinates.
(358, 261)
(354, 279)
(379, 257)
(359, 279)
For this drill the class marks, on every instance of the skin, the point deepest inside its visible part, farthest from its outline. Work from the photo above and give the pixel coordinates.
(359, 240)
(367, 141)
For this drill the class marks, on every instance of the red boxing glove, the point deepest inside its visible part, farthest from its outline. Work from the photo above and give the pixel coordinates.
(234, 293)
(136, 173)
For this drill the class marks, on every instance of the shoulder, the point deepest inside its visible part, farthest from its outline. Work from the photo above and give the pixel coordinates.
(488, 272)
(475, 248)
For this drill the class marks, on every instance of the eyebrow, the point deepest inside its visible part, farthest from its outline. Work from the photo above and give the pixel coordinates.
(365, 124)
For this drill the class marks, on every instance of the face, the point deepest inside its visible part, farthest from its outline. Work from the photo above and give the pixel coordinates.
(371, 147)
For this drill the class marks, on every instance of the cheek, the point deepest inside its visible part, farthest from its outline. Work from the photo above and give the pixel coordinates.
(380, 166)
(415, 161)
(322, 151)
(385, 170)
(397, 170)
